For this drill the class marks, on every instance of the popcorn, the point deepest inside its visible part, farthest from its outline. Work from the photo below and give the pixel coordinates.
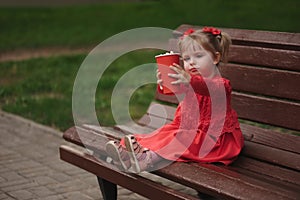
(167, 53)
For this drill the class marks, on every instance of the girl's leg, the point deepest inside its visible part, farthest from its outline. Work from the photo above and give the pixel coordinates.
(118, 154)
(141, 158)
(148, 160)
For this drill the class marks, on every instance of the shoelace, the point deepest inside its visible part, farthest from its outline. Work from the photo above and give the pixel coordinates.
(141, 153)
(122, 151)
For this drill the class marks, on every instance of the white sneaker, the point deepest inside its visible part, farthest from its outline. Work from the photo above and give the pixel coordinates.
(119, 155)
(140, 157)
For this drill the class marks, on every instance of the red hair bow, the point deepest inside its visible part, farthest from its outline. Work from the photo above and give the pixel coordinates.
(211, 30)
(187, 32)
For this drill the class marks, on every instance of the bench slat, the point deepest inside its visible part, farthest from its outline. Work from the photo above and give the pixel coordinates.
(274, 58)
(132, 182)
(279, 40)
(257, 108)
(160, 110)
(71, 135)
(166, 98)
(213, 180)
(153, 122)
(266, 110)
(256, 177)
(268, 169)
(157, 115)
(263, 81)
(260, 109)
(93, 138)
(133, 128)
(251, 55)
(272, 155)
(271, 138)
(110, 132)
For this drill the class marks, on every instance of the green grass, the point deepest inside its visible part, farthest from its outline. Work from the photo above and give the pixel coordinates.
(41, 89)
(32, 27)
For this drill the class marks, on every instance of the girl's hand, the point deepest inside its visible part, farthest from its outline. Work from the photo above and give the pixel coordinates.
(159, 80)
(181, 76)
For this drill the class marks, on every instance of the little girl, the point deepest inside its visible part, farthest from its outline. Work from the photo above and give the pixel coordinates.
(205, 128)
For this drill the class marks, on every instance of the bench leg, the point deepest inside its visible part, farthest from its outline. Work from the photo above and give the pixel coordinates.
(206, 196)
(108, 189)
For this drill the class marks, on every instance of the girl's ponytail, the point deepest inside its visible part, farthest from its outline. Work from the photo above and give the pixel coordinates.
(225, 42)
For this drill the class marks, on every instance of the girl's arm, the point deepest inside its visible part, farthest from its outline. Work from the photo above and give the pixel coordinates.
(189, 81)
(199, 84)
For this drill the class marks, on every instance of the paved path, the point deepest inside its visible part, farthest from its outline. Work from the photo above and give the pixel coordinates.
(23, 54)
(30, 167)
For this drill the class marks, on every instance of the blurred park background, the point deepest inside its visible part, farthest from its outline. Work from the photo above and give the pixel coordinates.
(40, 88)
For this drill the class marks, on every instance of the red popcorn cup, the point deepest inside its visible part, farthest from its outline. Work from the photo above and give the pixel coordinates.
(164, 61)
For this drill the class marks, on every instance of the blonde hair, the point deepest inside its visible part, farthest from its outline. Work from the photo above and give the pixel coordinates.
(212, 43)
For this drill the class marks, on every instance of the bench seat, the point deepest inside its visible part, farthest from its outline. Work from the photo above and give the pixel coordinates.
(251, 176)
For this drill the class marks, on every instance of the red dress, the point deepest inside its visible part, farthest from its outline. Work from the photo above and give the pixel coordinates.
(205, 128)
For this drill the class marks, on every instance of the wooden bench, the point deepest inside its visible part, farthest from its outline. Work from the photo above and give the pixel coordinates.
(264, 69)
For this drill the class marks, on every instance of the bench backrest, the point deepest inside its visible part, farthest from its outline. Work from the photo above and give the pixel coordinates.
(264, 70)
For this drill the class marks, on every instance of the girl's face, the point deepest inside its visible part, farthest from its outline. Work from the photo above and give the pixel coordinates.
(198, 61)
